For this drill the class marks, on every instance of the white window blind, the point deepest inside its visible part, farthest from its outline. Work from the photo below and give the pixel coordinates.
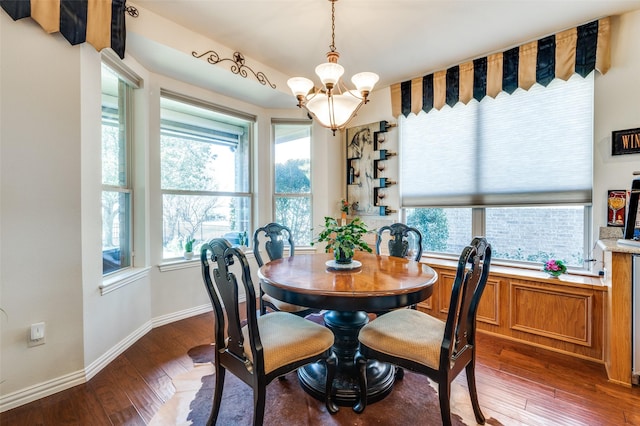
(529, 148)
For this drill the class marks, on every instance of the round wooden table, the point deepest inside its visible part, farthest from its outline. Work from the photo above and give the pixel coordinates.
(381, 283)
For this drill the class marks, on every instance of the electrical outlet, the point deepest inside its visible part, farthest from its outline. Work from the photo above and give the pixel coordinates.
(36, 334)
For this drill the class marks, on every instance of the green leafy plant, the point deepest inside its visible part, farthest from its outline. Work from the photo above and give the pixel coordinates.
(343, 239)
(188, 245)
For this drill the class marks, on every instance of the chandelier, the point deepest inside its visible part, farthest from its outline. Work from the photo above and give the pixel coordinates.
(332, 105)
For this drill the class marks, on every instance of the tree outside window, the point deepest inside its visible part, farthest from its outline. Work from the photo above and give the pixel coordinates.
(292, 172)
(204, 175)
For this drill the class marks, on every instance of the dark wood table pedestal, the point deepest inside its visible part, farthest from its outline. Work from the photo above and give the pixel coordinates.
(380, 376)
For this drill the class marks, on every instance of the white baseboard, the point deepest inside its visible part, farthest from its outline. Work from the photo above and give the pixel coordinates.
(180, 315)
(96, 366)
(32, 393)
(44, 389)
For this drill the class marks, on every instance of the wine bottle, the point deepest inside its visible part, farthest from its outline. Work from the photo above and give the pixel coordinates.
(383, 182)
(386, 211)
(383, 154)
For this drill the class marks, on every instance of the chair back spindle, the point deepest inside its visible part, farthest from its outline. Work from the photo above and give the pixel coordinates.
(471, 279)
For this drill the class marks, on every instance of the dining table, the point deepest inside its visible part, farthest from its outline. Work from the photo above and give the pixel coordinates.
(347, 294)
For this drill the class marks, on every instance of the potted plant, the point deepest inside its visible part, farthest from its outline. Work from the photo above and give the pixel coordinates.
(243, 240)
(343, 240)
(554, 267)
(188, 247)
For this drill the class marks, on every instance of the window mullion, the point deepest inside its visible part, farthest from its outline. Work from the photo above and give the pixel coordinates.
(478, 222)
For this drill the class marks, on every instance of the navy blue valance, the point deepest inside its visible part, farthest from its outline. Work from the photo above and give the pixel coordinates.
(98, 22)
(578, 50)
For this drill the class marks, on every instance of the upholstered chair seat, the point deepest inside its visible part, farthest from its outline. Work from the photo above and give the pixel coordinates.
(287, 338)
(406, 333)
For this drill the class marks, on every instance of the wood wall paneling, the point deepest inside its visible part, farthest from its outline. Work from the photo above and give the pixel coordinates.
(560, 313)
(618, 359)
(489, 308)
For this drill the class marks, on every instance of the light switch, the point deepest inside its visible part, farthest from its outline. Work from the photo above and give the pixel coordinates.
(37, 331)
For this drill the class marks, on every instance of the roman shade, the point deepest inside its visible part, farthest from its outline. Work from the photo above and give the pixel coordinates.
(101, 23)
(578, 50)
(532, 147)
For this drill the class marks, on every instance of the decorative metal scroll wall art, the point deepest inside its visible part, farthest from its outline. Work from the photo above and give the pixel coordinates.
(238, 66)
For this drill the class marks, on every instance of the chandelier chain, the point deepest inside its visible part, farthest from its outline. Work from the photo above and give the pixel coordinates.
(333, 26)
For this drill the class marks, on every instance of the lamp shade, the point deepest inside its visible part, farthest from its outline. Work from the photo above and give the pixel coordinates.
(364, 81)
(329, 73)
(335, 111)
(300, 85)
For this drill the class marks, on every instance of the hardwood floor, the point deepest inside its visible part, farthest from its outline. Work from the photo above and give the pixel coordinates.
(531, 386)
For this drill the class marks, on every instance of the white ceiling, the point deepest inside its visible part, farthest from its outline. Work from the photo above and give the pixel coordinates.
(397, 39)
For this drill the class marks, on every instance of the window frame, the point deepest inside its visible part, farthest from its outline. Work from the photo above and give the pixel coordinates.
(127, 83)
(248, 194)
(305, 195)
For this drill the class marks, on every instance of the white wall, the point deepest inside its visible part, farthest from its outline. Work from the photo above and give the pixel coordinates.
(49, 198)
(616, 108)
(41, 274)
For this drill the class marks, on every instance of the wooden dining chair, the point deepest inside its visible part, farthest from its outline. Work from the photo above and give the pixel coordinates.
(424, 344)
(402, 241)
(276, 238)
(266, 347)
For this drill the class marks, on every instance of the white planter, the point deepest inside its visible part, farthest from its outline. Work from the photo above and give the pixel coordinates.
(188, 255)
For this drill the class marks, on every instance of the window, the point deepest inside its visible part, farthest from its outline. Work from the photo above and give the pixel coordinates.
(518, 170)
(205, 179)
(293, 179)
(116, 173)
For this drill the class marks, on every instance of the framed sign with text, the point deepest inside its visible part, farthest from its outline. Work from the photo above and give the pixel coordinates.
(625, 142)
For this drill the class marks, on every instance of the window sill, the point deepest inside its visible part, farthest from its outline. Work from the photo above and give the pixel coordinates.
(177, 264)
(579, 279)
(121, 279)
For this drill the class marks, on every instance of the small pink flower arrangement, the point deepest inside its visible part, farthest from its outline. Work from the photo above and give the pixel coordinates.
(555, 267)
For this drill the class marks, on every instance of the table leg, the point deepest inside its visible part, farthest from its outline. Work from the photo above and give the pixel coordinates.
(380, 376)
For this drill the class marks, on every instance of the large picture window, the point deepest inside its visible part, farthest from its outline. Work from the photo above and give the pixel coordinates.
(205, 173)
(293, 179)
(116, 172)
(518, 170)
